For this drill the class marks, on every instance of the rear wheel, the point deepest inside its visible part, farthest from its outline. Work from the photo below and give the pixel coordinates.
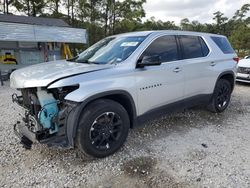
(221, 96)
(103, 128)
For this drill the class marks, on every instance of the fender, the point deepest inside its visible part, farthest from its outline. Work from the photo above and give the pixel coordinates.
(232, 73)
(74, 116)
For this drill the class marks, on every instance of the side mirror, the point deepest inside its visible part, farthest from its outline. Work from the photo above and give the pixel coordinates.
(149, 61)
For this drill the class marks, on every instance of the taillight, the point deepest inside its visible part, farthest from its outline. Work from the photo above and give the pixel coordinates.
(237, 59)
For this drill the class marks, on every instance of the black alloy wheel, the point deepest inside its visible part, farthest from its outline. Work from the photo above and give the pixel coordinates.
(221, 96)
(103, 128)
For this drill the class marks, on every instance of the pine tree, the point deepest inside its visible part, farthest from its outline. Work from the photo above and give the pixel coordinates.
(53, 6)
(30, 7)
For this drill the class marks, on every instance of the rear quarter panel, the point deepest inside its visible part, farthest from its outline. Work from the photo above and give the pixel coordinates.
(224, 63)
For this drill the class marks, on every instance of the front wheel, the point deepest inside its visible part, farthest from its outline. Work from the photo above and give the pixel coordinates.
(103, 128)
(221, 96)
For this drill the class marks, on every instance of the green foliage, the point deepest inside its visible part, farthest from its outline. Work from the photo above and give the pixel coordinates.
(5, 6)
(220, 22)
(130, 10)
(152, 24)
(237, 28)
(30, 7)
(54, 6)
(107, 17)
(128, 15)
(193, 26)
(240, 39)
(241, 13)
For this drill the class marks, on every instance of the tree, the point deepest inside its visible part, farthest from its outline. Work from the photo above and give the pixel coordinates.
(153, 24)
(1, 6)
(30, 7)
(240, 39)
(89, 12)
(81, 11)
(185, 24)
(71, 6)
(52, 9)
(5, 5)
(108, 15)
(126, 15)
(192, 26)
(210, 28)
(241, 13)
(238, 20)
(54, 6)
(247, 21)
(220, 22)
(197, 26)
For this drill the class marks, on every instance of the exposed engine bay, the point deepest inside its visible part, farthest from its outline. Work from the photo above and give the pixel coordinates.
(45, 114)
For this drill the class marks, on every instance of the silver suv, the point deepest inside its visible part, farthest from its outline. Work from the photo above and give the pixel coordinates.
(91, 101)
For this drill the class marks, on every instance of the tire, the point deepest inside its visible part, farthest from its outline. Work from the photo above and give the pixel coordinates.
(221, 96)
(103, 128)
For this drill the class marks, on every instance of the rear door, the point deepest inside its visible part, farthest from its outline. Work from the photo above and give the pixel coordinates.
(196, 65)
(163, 84)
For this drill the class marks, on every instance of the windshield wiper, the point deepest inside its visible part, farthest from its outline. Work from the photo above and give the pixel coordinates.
(73, 59)
(83, 61)
(87, 61)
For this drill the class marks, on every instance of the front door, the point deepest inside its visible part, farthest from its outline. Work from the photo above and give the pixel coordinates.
(163, 84)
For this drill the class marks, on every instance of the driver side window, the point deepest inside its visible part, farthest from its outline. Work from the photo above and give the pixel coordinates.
(165, 47)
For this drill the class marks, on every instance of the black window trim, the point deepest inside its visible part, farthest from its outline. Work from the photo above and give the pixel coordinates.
(199, 38)
(179, 47)
(202, 50)
(179, 54)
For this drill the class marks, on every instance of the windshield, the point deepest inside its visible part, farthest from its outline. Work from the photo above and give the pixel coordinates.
(110, 50)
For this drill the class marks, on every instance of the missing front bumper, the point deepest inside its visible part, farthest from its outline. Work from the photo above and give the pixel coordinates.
(32, 129)
(29, 134)
(27, 138)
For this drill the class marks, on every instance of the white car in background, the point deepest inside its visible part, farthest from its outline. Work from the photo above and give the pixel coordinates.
(243, 73)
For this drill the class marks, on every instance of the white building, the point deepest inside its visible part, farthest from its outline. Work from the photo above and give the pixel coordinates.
(32, 40)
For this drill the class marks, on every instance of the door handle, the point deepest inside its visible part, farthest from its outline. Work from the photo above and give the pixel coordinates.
(177, 69)
(212, 64)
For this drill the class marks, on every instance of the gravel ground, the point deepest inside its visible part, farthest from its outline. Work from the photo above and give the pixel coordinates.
(194, 148)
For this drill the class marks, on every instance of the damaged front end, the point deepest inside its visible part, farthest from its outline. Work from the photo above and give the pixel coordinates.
(45, 117)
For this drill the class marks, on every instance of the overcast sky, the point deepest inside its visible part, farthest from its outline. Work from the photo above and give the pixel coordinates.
(201, 10)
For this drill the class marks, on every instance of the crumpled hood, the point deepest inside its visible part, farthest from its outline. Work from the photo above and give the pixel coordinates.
(244, 63)
(42, 74)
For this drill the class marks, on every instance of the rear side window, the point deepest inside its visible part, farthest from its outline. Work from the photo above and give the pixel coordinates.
(223, 44)
(165, 47)
(193, 47)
